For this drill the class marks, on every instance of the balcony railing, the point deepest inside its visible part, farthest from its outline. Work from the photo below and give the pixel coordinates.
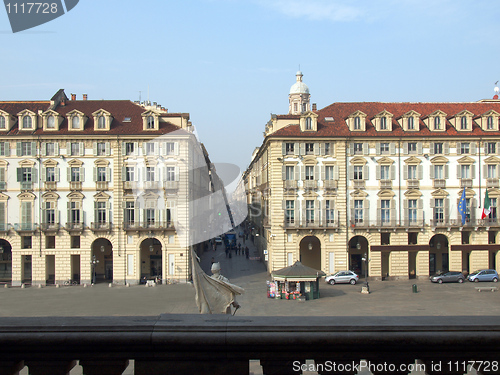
(50, 185)
(49, 227)
(129, 185)
(171, 185)
(4, 227)
(439, 183)
(413, 184)
(492, 183)
(359, 184)
(385, 184)
(290, 184)
(101, 185)
(225, 344)
(310, 224)
(466, 182)
(26, 185)
(25, 227)
(75, 185)
(310, 184)
(148, 225)
(3, 185)
(330, 184)
(100, 226)
(74, 227)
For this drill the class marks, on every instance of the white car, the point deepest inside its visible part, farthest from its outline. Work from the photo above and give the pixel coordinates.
(342, 277)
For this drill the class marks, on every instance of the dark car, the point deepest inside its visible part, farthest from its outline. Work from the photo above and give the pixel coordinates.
(448, 277)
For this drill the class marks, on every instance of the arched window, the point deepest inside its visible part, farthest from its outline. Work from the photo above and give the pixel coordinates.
(463, 123)
(2, 122)
(411, 124)
(437, 123)
(357, 123)
(101, 122)
(75, 122)
(27, 122)
(308, 123)
(51, 122)
(383, 123)
(490, 122)
(151, 122)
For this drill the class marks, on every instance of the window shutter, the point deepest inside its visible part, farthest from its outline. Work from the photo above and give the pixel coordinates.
(377, 172)
(351, 149)
(82, 174)
(44, 174)
(473, 208)
(68, 174)
(431, 148)
(57, 174)
(473, 148)
(459, 148)
(176, 173)
(302, 148)
(432, 171)
(56, 149)
(319, 215)
(124, 148)
(6, 149)
(316, 173)
(94, 148)
(405, 172)
(473, 171)
(124, 173)
(351, 172)
(19, 151)
(323, 173)
(366, 149)
(365, 172)
(336, 172)
(108, 174)
(446, 147)
(377, 148)
(34, 175)
(283, 148)
(392, 147)
(486, 148)
(19, 174)
(95, 174)
(393, 172)
(432, 203)
(420, 171)
(33, 148)
(44, 149)
(392, 214)
(459, 175)
(419, 148)
(296, 150)
(176, 148)
(303, 172)
(316, 148)
(405, 148)
(107, 146)
(2, 174)
(420, 204)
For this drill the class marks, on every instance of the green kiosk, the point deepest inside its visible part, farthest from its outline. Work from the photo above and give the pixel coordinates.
(296, 282)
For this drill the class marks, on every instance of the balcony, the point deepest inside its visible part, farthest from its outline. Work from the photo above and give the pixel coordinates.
(3, 185)
(129, 185)
(25, 228)
(290, 184)
(50, 185)
(74, 227)
(146, 225)
(100, 227)
(492, 183)
(440, 223)
(330, 184)
(26, 185)
(223, 344)
(439, 183)
(310, 184)
(359, 184)
(171, 185)
(151, 185)
(75, 185)
(413, 184)
(414, 223)
(466, 183)
(385, 184)
(318, 224)
(49, 227)
(101, 185)
(491, 222)
(4, 227)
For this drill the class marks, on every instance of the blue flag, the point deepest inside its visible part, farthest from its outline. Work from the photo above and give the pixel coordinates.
(462, 208)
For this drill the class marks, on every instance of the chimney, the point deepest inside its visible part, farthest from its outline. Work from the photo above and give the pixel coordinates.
(84, 96)
(73, 96)
(314, 107)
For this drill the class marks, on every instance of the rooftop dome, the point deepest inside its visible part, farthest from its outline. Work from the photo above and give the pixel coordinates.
(299, 87)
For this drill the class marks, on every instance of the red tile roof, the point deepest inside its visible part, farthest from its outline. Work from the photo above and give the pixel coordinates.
(341, 111)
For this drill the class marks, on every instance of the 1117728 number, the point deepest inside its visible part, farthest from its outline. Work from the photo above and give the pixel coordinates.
(31, 7)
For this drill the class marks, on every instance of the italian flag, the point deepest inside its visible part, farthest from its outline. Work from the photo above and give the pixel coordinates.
(486, 206)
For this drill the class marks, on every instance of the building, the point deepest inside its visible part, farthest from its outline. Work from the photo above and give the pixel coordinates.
(374, 187)
(98, 190)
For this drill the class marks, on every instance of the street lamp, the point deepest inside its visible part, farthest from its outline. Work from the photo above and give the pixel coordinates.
(93, 264)
(102, 248)
(366, 288)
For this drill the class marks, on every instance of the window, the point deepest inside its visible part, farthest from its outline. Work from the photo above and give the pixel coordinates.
(411, 123)
(385, 172)
(383, 123)
(357, 123)
(289, 173)
(50, 174)
(437, 123)
(49, 214)
(75, 242)
(75, 149)
(491, 171)
(491, 148)
(4, 149)
(74, 212)
(330, 212)
(412, 211)
(463, 123)
(129, 148)
(439, 172)
(295, 107)
(26, 242)
(493, 208)
(26, 149)
(101, 149)
(50, 242)
(130, 212)
(101, 122)
(150, 148)
(27, 122)
(464, 147)
(489, 124)
(26, 174)
(149, 214)
(289, 148)
(101, 174)
(309, 148)
(327, 148)
(26, 217)
(50, 149)
(308, 123)
(170, 174)
(358, 211)
(309, 172)
(358, 148)
(75, 122)
(2, 122)
(150, 122)
(170, 148)
(439, 210)
(465, 171)
(51, 122)
(358, 172)
(412, 172)
(290, 211)
(384, 148)
(75, 174)
(150, 173)
(129, 173)
(385, 209)
(101, 212)
(467, 209)
(412, 147)
(438, 148)
(329, 172)
(309, 211)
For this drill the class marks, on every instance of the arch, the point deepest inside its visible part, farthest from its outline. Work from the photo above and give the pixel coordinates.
(151, 259)
(5, 261)
(357, 250)
(438, 253)
(101, 261)
(310, 252)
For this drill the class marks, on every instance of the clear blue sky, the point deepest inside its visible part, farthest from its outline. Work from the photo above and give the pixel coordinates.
(230, 63)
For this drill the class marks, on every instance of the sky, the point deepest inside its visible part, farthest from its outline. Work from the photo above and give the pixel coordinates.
(231, 63)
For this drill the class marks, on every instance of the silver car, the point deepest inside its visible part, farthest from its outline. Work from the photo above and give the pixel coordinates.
(448, 277)
(342, 277)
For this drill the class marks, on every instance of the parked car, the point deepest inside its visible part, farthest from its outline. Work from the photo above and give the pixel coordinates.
(483, 275)
(448, 277)
(342, 277)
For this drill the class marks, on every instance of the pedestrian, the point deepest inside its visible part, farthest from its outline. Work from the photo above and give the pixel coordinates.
(247, 251)
(239, 248)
